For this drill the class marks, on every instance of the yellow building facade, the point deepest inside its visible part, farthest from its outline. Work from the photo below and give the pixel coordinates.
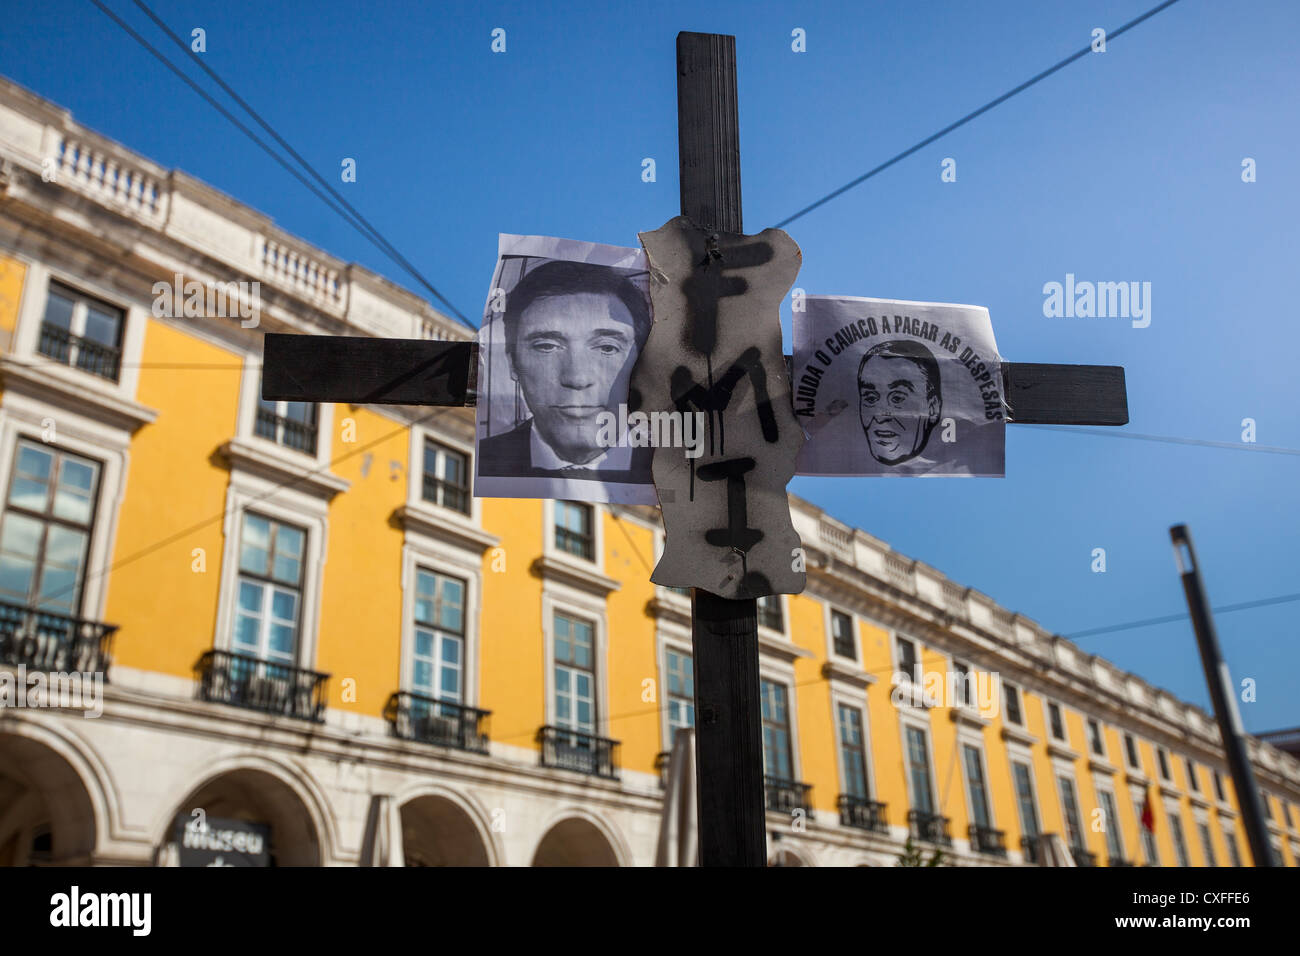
(297, 638)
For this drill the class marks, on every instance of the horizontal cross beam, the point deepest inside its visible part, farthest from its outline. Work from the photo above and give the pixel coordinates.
(364, 370)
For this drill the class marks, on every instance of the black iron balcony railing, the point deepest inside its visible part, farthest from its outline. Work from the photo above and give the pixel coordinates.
(663, 763)
(44, 641)
(987, 840)
(573, 750)
(930, 827)
(91, 356)
(445, 493)
(1032, 847)
(862, 813)
(575, 543)
(1119, 861)
(1082, 857)
(289, 432)
(242, 680)
(430, 721)
(786, 796)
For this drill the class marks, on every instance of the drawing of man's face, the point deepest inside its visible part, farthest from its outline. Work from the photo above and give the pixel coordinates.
(898, 400)
(572, 357)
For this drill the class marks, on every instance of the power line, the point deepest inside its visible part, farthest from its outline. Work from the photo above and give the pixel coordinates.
(1170, 618)
(351, 216)
(1169, 439)
(970, 116)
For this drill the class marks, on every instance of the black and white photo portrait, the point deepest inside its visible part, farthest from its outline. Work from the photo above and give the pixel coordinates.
(564, 324)
(924, 380)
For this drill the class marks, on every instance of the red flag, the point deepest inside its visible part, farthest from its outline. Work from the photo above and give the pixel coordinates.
(1148, 812)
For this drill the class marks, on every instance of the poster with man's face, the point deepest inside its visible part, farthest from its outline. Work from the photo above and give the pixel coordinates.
(885, 387)
(564, 323)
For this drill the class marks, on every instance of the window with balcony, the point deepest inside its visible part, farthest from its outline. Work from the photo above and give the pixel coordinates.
(1070, 814)
(1011, 698)
(918, 770)
(575, 674)
(1180, 844)
(681, 692)
(1114, 840)
(1095, 741)
(769, 612)
(446, 477)
(291, 424)
(1151, 856)
(778, 756)
(1207, 844)
(1056, 721)
(45, 531)
(269, 590)
(983, 838)
(438, 657)
(1024, 785)
(853, 754)
(908, 664)
(1230, 838)
(1131, 752)
(82, 332)
(574, 532)
(842, 635)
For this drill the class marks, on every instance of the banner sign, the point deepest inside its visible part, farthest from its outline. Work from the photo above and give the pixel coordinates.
(212, 841)
(885, 387)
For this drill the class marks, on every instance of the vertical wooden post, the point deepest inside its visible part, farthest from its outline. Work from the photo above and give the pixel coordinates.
(724, 634)
(1224, 697)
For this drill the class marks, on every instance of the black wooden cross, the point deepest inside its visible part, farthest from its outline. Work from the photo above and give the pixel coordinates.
(361, 370)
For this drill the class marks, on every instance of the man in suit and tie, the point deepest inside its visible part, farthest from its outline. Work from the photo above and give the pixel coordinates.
(573, 331)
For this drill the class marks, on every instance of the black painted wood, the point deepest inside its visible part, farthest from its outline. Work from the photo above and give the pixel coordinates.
(360, 369)
(1065, 394)
(724, 634)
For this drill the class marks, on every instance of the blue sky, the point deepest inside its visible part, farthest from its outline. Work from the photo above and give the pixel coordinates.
(1125, 166)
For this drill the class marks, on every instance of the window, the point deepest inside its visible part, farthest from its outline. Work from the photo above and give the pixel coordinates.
(1176, 831)
(681, 692)
(446, 477)
(1163, 758)
(45, 533)
(1114, 843)
(1025, 798)
(270, 590)
(575, 674)
(769, 612)
(291, 424)
(853, 755)
(1152, 855)
(842, 635)
(573, 529)
(82, 332)
(1191, 776)
(907, 659)
(1131, 752)
(439, 658)
(1207, 845)
(1056, 721)
(1218, 787)
(777, 758)
(979, 798)
(1230, 837)
(918, 770)
(1070, 806)
(1012, 696)
(1095, 740)
(961, 684)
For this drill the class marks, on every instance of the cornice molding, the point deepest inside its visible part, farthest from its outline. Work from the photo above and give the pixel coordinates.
(58, 387)
(446, 525)
(252, 457)
(572, 573)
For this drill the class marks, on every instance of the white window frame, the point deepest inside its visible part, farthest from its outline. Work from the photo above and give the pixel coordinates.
(911, 720)
(270, 585)
(577, 605)
(31, 313)
(551, 551)
(781, 673)
(829, 611)
(859, 700)
(426, 556)
(1112, 825)
(971, 738)
(1019, 690)
(1048, 704)
(1020, 754)
(420, 439)
(246, 423)
(670, 637)
(784, 632)
(1101, 735)
(1060, 770)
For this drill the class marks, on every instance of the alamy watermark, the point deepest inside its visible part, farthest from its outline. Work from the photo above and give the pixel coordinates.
(1102, 300)
(651, 429)
(52, 689)
(181, 299)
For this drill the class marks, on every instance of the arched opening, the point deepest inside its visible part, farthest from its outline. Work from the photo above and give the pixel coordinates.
(46, 815)
(252, 817)
(785, 858)
(575, 842)
(438, 832)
